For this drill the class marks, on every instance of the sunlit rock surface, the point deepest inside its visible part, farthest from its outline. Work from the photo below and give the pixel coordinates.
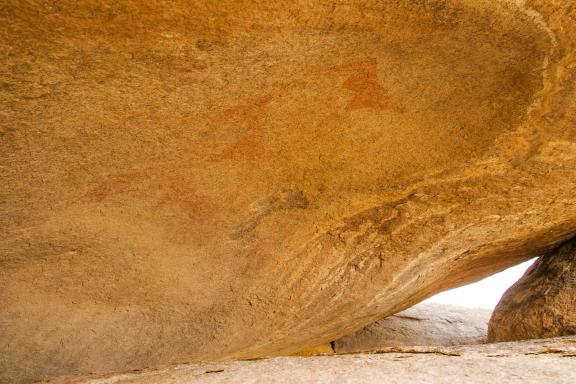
(208, 180)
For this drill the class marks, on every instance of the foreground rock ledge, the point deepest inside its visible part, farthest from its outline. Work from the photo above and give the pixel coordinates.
(200, 180)
(536, 361)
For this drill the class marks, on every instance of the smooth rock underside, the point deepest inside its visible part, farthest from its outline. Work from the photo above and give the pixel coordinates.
(234, 179)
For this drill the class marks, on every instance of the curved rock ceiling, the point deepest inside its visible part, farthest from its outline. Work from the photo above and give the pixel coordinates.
(209, 180)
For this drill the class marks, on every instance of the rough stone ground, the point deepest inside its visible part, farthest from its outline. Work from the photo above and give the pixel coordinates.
(535, 361)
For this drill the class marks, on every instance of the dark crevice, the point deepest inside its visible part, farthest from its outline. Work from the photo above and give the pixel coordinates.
(215, 371)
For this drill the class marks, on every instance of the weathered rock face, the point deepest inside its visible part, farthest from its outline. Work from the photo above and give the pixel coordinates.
(542, 303)
(535, 361)
(423, 324)
(207, 180)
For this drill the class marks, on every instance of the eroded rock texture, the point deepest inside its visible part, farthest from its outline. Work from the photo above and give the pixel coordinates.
(423, 324)
(542, 303)
(209, 180)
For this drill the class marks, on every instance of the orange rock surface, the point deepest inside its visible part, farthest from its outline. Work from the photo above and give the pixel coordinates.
(192, 180)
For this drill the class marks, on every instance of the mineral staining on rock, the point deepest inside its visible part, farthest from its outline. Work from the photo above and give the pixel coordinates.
(211, 180)
(542, 303)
